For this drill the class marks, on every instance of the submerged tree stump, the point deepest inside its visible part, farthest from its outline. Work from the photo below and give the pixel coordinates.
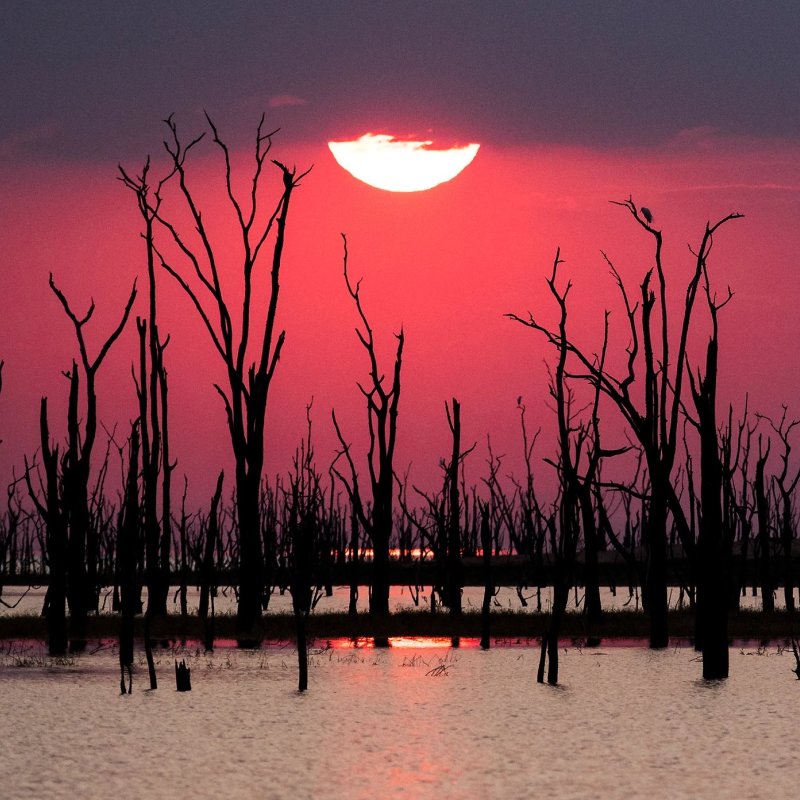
(183, 676)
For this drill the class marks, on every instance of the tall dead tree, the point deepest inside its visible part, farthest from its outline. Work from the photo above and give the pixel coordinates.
(714, 539)
(56, 537)
(377, 519)
(658, 371)
(66, 507)
(249, 377)
(151, 388)
(127, 546)
(577, 442)
(455, 579)
(489, 590)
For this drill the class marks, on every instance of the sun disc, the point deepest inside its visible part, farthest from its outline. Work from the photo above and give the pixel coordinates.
(381, 161)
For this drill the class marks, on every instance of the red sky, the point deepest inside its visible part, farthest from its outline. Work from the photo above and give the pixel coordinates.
(691, 109)
(445, 264)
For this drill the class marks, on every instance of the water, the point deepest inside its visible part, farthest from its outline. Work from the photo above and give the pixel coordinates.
(412, 721)
(29, 601)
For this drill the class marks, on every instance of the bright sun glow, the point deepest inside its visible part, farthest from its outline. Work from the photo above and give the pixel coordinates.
(399, 166)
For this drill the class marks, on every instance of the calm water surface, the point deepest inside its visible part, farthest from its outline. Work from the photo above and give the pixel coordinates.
(30, 601)
(411, 721)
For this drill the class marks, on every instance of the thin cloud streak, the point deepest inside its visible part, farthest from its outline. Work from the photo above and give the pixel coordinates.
(726, 187)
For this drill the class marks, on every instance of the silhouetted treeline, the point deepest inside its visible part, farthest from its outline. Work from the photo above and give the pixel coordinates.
(682, 495)
(510, 514)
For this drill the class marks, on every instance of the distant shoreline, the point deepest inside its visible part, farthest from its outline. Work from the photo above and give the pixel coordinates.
(631, 626)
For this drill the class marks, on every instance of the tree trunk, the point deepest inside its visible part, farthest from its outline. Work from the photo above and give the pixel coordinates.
(765, 557)
(787, 534)
(148, 651)
(379, 597)
(454, 567)
(352, 609)
(592, 606)
(251, 561)
(656, 600)
(488, 584)
(549, 650)
(713, 546)
(302, 651)
(207, 572)
(126, 561)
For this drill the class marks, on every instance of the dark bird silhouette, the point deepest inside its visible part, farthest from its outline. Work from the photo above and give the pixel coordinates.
(647, 214)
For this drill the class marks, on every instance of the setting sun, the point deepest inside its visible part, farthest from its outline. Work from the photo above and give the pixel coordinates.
(381, 161)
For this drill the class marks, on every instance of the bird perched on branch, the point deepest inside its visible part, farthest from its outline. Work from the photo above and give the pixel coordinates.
(647, 214)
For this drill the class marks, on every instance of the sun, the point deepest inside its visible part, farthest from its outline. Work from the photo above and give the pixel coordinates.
(384, 162)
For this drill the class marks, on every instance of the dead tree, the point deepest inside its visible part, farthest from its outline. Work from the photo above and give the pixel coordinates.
(430, 523)
(208, 581)
(355, 559)
(56, 538)
(786, 485)
(439, 522)
(764, 538)
(66, 506)
(489, 590)
(13, 524)
(527, 529)
(630, 543)
(714, 546)
(127, 546)
(382, 421)
(151, 389)
(737, 507)
(10, 527)
(182, 546)
(248, 381)
(577, 441)
(652, 365)
(454, 579)
(304, 504)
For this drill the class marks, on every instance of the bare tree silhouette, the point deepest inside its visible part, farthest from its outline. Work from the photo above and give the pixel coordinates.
(208, 587)
(151, 389)
(65, 509)
(248, 382)
(127, 551)
(382, 420)
(304, 509)
(714, 539)
(655, 424)
(455, 580)
(577, 441)
(786, 485)
(764, 539)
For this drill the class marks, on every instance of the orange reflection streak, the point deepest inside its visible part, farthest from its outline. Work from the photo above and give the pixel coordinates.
(403, 643)
(351, 643)
(428, 642)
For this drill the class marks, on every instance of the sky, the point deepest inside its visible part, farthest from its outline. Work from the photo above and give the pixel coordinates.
(691, 109)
